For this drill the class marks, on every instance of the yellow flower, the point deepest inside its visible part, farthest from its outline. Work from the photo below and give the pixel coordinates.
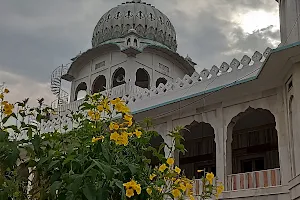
(97, 139)
(182, 186)
(159, 189)
(127, 117)
(105, 104)
(114, 126)
(176, 193)
(7, 108)
(220, 189)
(90, 113)
(152, 176)
(100, 108)
(120, 107)
(130, 187)
(149, 191)
(4, 103)
(96, 116)
(189, 186)
(1, 96)
(138, 133)
(210, 177)
(192, 197)
(129, 123)
(137, 188)
(177, 170)
(6, 90)
(177, 181)
(123, 139)
(116, 101)
(114, 136)
(8, 112)
(129, 193)
(162, 168)
(170, 161)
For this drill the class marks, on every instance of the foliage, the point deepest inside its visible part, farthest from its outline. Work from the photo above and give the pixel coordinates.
(104, 157)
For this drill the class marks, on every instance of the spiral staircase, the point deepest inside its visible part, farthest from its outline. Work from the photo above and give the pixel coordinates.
(56, 87)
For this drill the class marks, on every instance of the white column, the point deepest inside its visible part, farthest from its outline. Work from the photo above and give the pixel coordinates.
(220, 146)
(282, 133)
(296, 116)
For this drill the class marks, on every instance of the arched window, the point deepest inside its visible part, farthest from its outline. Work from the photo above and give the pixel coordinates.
(135, 42)
(142, 78)
(118, 77)
(252, 143)
(128, 41)
(99, 84)
(161, 80)
(80, 91)
(199, 141)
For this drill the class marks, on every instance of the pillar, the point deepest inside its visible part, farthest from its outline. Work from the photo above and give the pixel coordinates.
(220, 146)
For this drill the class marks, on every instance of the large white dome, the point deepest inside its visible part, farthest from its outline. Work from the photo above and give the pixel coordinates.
(148, 22)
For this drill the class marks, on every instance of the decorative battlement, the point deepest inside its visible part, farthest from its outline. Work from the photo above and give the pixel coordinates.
(235, 67)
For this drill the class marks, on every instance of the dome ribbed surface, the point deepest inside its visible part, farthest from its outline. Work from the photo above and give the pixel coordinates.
(148, 22)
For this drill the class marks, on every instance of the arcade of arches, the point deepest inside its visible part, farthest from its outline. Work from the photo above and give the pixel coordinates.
(252, 145)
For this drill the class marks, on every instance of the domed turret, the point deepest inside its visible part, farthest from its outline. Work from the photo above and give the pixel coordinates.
(148, 22)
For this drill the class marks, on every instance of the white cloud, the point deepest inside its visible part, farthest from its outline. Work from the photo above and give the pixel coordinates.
(22, 87)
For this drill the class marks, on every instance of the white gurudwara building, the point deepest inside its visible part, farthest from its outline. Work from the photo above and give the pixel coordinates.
(242, 119)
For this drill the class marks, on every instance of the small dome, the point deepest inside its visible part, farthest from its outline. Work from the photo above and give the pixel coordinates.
(148, 22)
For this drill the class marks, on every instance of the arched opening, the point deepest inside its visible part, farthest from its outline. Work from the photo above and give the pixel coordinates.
(253, 142)
(80, 91)
(161, 80)
(99, 84)
(118, 77)
(199, 141)
(128, 41)
(142, 78)
(135, 42)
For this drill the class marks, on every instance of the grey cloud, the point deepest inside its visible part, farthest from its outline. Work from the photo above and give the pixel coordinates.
(36, 36)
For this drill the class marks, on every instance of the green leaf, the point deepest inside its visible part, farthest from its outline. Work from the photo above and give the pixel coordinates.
(55, 186)
(107, 170)
(4, 120)
(106, 153)
(75, 185)
(52, 164)
(133, 168)
(3, 136)
(89, 190)
(68, 159)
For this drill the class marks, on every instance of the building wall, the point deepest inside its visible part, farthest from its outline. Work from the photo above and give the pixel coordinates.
(289, 21)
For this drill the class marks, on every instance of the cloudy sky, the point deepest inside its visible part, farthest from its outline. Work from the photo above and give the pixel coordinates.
(36, 36)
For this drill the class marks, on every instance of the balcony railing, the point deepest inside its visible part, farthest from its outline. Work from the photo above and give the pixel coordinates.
(118, 91)
(257, 179)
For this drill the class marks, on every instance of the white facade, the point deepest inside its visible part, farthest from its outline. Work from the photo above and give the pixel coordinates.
(242, 117)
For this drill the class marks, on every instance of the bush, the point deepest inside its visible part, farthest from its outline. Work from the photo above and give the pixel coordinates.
(103, 158)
